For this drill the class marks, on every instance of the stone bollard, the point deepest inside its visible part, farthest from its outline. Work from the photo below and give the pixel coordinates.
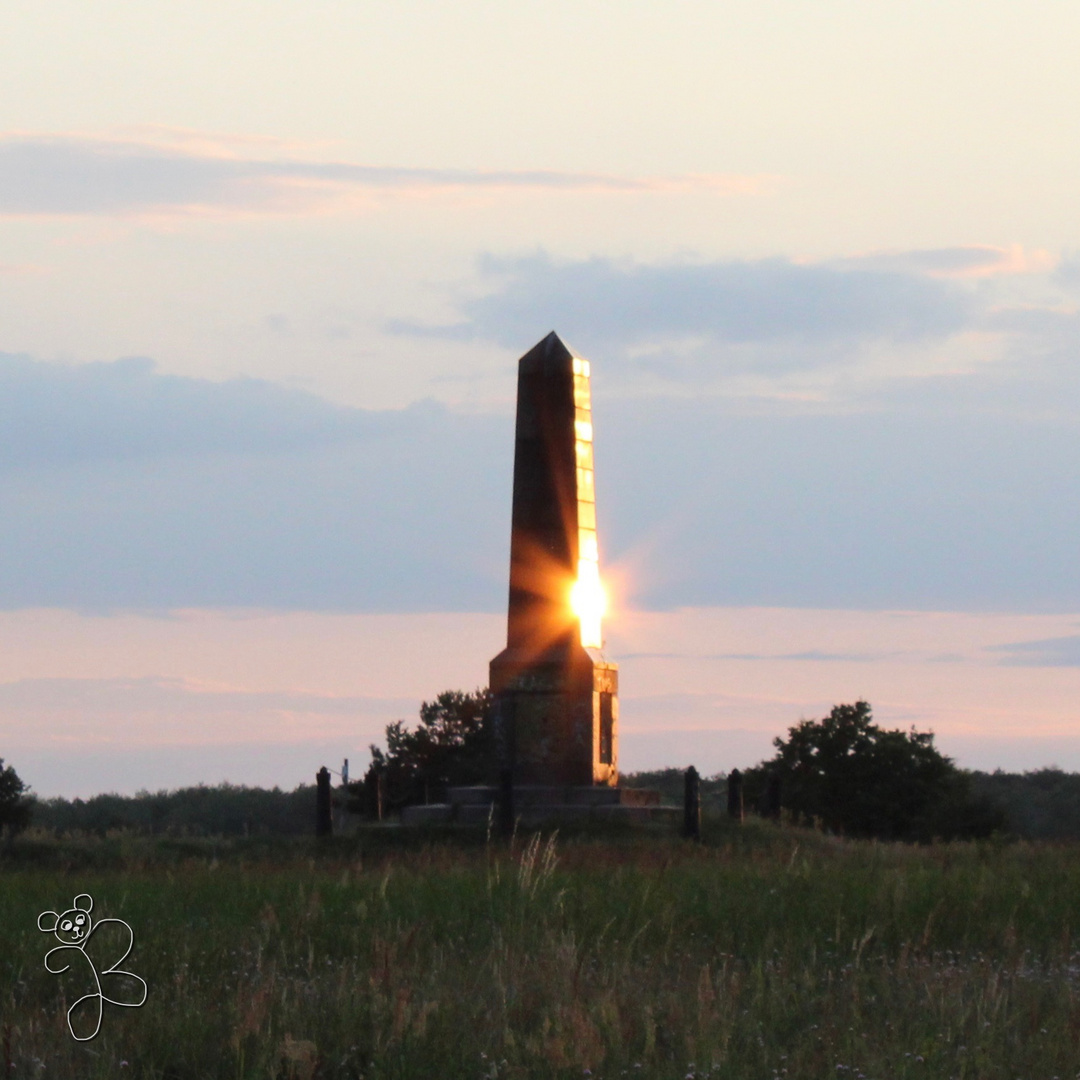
(324, 825)
(771, 802)
(734, 795)
(373, 796)
(692, 805)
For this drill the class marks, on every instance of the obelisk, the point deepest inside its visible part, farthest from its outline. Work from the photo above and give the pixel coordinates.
(556, 694)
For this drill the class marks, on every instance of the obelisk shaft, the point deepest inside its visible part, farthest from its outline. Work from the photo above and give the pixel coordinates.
(543, 532)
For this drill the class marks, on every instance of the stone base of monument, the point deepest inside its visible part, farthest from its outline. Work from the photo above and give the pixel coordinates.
(536, 804)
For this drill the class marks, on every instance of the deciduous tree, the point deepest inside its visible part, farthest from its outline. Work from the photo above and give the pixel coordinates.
(453, 744)
(15, 806)
(853, 777)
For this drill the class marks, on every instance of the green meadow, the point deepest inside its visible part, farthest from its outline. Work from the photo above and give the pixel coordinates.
(763, 952)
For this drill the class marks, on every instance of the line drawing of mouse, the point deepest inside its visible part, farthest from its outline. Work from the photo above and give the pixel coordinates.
(73, 929)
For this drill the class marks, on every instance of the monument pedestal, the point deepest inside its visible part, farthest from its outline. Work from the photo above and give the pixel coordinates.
(557, 715)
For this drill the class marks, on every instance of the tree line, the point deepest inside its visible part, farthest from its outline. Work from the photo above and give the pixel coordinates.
(843, 773)
(221, 810)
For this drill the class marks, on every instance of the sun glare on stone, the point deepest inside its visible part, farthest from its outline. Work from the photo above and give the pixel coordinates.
(588, 600)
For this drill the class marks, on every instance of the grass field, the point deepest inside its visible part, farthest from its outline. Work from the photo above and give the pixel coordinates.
(765, 952)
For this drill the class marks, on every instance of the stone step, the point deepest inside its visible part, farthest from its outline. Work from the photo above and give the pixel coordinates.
(527, 795)
(471, 796)
(474, 813)
(428, 814)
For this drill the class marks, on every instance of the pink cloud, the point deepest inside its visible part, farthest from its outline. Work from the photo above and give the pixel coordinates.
(161, 171)
(967, 261)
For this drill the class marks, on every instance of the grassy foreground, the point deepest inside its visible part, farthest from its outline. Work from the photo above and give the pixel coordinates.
(765, 953)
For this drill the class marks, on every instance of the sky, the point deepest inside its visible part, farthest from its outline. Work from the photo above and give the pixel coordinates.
(266, 270)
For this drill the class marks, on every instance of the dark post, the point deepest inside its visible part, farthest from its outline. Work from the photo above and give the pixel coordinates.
(692, 805)
(772, 796)
(734, 795)
(323, 823)
(373, 793)
(506, 803)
